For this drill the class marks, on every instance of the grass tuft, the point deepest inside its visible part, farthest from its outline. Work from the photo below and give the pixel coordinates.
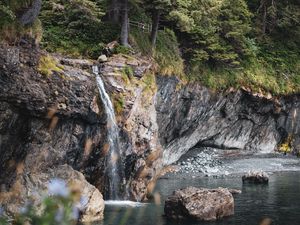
(48, 65)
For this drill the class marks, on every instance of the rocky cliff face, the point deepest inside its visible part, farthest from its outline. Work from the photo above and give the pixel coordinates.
(196, 117)
(47, 122)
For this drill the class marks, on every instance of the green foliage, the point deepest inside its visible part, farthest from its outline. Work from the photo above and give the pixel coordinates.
(75, 28)
(48, 65)
(149, 81)
(258, 75)
(167, 54)
(216, 30)
(3, 219)
(120, 49)
(234, 26)
(150, 88)
(6, 14)
(56, 210)
(61, 206)
(222, 51)
(127, 74)
(140, 42)
(119, 103)
(286, 145)
(10, 28)
(223, 42)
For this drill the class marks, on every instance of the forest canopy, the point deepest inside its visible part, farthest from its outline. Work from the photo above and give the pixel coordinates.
(222, 43)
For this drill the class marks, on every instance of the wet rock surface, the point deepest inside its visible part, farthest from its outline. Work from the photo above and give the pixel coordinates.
(49, 121)
(217, 163)
(256, 177)
(194, 116)
(46, 123)
(205, 161)
(200, 204)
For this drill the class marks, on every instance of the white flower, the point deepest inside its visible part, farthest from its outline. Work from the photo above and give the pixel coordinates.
(1, 210)
(58, 187)
(59, 216)
(75, 213)
(24, 210)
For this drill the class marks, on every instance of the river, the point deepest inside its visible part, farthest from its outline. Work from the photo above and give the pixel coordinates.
(279, 200)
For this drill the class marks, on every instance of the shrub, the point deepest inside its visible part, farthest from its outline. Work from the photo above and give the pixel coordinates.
(61, 206)
(166, 54)
(48, 65)
(286, 145)
(119, 103)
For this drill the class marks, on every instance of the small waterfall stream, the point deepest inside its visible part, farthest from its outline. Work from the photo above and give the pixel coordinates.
(113, 165)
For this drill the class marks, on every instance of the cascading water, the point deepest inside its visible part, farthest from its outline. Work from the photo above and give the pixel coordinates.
(113, 165)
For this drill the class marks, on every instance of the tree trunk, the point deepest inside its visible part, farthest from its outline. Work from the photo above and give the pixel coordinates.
(114, 13)
(155, 24)
(124, 30)
(31, 13)
(264, 21)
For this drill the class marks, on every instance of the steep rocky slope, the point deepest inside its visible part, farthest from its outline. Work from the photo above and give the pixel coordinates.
(196, 117)
(49, 122)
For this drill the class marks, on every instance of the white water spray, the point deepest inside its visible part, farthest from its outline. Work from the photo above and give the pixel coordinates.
(113, 154)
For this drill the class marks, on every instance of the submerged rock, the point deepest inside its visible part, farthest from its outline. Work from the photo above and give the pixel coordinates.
(235, 191)
(138, 190)
(200, 204)
(256, 177)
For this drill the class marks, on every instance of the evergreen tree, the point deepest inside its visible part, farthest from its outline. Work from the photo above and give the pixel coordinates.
(156, 8)
(235, 24)
(6, 14)
(217, 29)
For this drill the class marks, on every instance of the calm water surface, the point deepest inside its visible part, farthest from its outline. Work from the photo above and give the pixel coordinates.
(280, 201)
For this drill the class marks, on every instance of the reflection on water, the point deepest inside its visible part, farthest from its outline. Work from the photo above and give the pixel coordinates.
(125, 203)
(280, 201)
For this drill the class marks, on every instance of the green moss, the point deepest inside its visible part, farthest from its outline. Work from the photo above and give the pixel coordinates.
(119, 103)
(120, 49)
(258, 75)
(48, 65)
(129, 71)
(127, 74)
(149, 81)
(150, 88)
(285, 146)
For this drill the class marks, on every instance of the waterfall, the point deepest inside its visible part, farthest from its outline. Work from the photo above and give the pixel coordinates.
(113, 165)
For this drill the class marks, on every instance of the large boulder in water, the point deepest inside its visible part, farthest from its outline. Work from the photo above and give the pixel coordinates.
(256, 177)
(200, 204)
